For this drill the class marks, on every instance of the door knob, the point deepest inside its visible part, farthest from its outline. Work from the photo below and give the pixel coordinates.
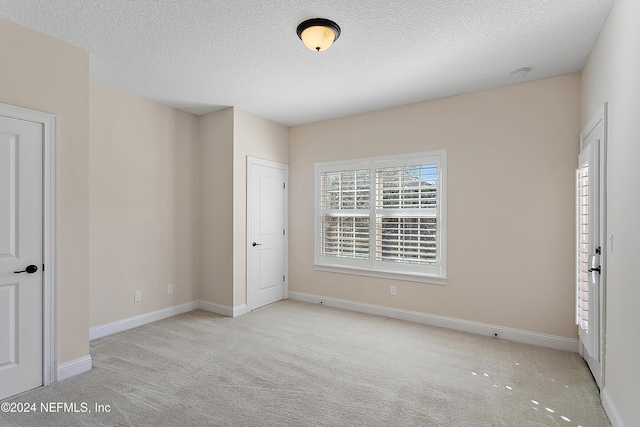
(30, 269)
(256, 244)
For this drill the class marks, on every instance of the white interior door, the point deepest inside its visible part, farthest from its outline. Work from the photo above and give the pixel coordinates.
(21, 255)
(266, 232)
(589, 250)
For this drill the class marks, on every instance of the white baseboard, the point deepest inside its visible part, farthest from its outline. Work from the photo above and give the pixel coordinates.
(143, 319)
(223, 310)
(510, 334)
(73, 368)
(240, 310)
(610, 409)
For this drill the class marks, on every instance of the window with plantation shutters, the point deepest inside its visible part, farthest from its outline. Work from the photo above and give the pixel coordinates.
(406, 214)
(382, 216)
(344, 217)
(582, 247)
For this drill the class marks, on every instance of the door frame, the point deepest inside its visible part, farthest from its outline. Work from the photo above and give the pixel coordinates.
(268, 163)
(49, 124)
(600, 116)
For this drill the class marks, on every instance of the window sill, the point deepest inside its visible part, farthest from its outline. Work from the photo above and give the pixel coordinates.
(409, 277)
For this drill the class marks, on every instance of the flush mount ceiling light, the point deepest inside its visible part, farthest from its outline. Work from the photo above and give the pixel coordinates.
(318, 34)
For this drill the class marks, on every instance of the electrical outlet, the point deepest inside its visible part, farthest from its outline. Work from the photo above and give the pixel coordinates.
(392, 290)
(137, 296)
(169, 289)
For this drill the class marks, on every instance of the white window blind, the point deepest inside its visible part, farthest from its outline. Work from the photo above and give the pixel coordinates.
(406, 214)
(582, 258)
(383, 215)
(344, 206)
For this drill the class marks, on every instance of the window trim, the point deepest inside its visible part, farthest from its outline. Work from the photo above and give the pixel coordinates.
(368, 267)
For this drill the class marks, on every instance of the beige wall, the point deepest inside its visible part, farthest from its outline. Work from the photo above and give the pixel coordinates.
(254, 137)
(45, 74)
(144, 206)
(227, 138)
(611, 75)
(512, 153)
(216, 207)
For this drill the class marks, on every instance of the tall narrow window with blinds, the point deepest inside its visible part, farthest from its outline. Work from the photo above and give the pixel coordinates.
(588, 249)
(582, 255)
(382, 216)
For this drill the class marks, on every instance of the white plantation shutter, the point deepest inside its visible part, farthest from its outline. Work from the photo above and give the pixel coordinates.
(344, 207)
(582, 258)
(382, 215)
(406, 214)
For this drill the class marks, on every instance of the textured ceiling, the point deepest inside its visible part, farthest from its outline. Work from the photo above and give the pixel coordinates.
(203, 55)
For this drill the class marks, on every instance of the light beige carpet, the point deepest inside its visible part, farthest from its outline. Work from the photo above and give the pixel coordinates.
(298, 364)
